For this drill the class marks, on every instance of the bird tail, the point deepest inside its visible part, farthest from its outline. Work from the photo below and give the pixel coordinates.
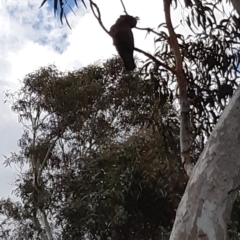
(128, 61)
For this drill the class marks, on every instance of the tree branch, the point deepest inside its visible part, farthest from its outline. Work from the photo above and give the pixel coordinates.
(38, 225)
(97, 15)
(124, 8)
(155, 60)
(45, 160)
(185, 133)
(148, 30)
(45, 222)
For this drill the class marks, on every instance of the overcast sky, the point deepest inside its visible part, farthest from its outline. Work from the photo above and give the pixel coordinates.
(31, 38)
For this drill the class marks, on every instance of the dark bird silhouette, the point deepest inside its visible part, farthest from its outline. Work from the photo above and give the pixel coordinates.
(122, 35)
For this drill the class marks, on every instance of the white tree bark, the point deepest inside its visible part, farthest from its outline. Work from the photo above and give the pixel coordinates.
(46, 225)
(206, 205)
(39, 229)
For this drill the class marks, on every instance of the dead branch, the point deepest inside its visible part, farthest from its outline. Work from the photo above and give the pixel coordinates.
(124, 8)
(97, 15)
(159, 63)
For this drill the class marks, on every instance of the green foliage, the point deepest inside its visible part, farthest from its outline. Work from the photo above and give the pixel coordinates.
(103, 152)
(129, 191)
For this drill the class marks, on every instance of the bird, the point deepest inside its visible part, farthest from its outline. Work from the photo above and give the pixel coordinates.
(123, 39)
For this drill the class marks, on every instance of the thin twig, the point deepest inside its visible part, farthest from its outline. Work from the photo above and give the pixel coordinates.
(148, 30)
(124, 8)
(97, 15)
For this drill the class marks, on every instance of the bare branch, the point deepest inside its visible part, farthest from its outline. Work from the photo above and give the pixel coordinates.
(185, 133)
(124, 8)
(148, 30)
(155, 60)
(97, 15)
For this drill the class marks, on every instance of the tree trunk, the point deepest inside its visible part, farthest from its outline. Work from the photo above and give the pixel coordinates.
(236, 5)
(206, 205)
